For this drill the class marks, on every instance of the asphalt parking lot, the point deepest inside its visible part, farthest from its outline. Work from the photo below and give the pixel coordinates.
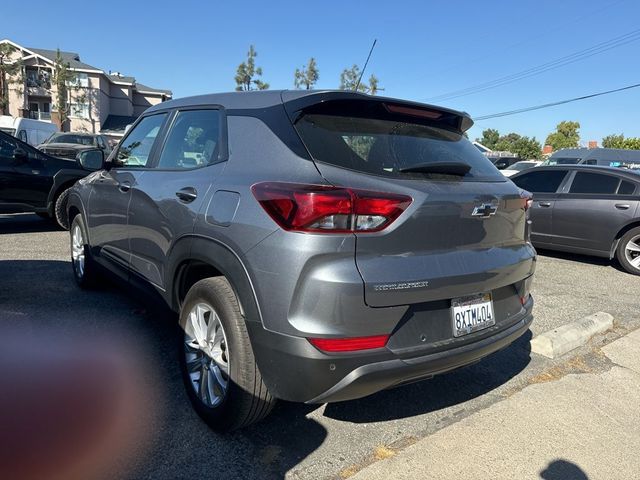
(38, 296)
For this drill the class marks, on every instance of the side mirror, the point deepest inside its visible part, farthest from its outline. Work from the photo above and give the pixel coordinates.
(20, 155)
(91, 159)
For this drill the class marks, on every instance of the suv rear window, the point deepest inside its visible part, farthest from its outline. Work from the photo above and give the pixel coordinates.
(385, 144)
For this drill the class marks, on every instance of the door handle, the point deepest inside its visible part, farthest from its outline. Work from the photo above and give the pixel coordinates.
(187, 194)
(623, 206)
(124, 187)
(544, 204)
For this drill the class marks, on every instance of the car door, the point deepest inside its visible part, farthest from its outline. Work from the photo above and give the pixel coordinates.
(544, 184)
(166, 198)
(25, 181)
(593, 208)
(111, 192)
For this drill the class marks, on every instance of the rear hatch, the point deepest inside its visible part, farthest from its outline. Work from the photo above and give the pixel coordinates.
(464, 231)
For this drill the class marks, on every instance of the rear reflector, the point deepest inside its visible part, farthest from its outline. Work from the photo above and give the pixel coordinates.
(353, 344)
(328, 209)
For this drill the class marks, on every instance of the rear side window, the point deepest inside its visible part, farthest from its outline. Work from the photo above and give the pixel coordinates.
(7, 147)
(366, 140)
(595, 183)
(626, 188)
(135, 149)
(541, 181)
(193, 140)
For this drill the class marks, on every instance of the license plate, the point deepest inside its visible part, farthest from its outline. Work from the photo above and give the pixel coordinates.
(472, 313)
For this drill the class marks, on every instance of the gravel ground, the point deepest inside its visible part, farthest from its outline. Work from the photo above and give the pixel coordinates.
(38, 295)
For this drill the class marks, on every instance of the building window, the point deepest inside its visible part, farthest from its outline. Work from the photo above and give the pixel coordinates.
(80, 110)
(79, 80)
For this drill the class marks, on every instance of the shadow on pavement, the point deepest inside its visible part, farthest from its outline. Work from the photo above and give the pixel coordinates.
(576, 257)
(26, 223)
(41, 296)
(563, 470)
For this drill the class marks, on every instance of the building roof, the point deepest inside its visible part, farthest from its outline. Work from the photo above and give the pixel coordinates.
(144, 88)
(115, 124)
(121, 78)
(71, 57)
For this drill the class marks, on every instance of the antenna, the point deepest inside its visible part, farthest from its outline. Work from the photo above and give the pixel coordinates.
(365, 65)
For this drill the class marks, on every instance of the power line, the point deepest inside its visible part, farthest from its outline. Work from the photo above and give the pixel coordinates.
(537, 70)
(530, 38)
(553, 104)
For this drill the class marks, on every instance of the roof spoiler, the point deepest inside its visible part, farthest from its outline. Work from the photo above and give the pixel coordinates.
(297, 103)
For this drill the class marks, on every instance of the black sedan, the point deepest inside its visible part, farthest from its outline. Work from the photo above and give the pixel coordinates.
(32, 181)
(585, 209)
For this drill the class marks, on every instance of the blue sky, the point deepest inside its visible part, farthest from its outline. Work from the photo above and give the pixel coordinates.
(425, 48)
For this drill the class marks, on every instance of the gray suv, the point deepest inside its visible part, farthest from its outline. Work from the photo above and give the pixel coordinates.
(318, 246)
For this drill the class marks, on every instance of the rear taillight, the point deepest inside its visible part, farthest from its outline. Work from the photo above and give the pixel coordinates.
(527, 199)
(327, 209)
(352, 344)
(524, 290)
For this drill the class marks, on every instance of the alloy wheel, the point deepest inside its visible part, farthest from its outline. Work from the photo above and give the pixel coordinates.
(206, 354)
(632, 251)
(77, 250)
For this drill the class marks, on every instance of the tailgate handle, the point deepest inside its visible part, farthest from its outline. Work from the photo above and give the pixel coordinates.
(544, 204)
(623, 206)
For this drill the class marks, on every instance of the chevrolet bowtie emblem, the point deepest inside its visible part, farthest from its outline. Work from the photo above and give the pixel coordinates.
(485, 210)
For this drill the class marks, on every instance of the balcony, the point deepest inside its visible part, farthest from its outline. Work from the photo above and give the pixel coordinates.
(46, 116)
(38, 84)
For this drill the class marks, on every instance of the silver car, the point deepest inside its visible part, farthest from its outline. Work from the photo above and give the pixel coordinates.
(318, 246)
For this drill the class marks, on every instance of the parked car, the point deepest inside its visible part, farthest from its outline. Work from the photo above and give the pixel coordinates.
(318, 246)
(502, 163)
(68, 144)
(28, 130)
(586, 209)
(519, 167)
(32, 181)
(606, 157)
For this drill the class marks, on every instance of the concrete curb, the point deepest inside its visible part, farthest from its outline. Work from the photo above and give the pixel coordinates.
(559, 341)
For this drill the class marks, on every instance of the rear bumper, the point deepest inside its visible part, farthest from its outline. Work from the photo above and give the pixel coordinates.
(295, 371)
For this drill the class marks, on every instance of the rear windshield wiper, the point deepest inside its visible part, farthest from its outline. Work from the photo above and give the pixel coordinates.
(446, 168)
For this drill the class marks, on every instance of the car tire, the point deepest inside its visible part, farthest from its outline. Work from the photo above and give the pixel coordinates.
(628, 251)
(84, 269)
(60, 208)
(233, 394)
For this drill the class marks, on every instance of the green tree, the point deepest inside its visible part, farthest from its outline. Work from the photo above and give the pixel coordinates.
(10, 74)
(373, 85)
(613, 141)
(62, 77)
(619, 141)
(307, 76)
(519, 145)
(246, 71)
(525, 147)
(565, 136)
(489, 138)
(349, 79)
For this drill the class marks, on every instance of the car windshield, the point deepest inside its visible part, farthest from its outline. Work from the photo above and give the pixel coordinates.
(519, 166)
(389, 147)
(562, 161)
(72, 138)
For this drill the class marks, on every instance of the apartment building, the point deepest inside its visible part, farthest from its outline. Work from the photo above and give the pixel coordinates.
(98, 101)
